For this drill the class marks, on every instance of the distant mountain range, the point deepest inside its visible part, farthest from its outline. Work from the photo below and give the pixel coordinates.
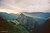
(8, 16)
(38, 16)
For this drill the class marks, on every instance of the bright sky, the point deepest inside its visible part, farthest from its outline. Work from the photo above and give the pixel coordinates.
(14, 6)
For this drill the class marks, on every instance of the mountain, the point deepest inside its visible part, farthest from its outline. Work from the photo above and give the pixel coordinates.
(11, 27)
(33, 21)
(25, 22)
(46, 26)
(3, 25)
(38, 14)
(26, 17)
(8, 16)
(39, 17)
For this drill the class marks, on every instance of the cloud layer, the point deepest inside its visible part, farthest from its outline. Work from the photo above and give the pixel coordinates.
(25, 5)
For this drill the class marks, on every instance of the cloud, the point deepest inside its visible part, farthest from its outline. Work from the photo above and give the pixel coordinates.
(25, 5)
(8, 5)
(37, 8)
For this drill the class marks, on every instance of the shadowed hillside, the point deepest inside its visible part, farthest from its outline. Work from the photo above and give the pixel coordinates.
(46, 26)
(3, 25)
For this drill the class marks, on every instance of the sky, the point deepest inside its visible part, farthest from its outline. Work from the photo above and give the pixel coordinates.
(15, 6)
